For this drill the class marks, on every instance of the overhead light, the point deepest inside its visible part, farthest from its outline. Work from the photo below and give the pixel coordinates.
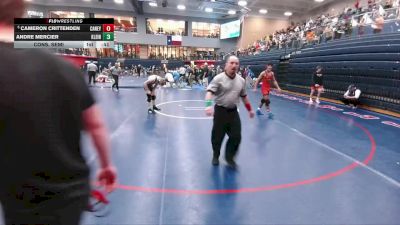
(288, 13)
(209, 10)
(119, 1)
(242, 3)
(87, 0)
(232, 12)
(153, 4)
(319, 0)
(212, 0)
(263, 11)
(181, 7)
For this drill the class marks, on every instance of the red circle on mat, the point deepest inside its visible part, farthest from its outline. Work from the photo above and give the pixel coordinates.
(269, 187)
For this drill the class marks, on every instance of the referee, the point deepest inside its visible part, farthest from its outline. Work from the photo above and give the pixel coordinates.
(228, 88)
(92, 69)
(115, 72)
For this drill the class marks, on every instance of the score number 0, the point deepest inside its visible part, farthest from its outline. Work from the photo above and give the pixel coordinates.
(108, 27)
(108, 32)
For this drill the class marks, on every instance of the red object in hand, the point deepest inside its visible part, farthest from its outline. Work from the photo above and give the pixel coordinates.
(107, 177)
(99, 196)
(99, 204)
(248, 106)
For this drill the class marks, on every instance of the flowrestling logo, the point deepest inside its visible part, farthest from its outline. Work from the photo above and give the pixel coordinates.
(334, 108)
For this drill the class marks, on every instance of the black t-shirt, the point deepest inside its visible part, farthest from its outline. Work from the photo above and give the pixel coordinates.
(41, 101)
(201, 72)
(205, 71)
(317, 79)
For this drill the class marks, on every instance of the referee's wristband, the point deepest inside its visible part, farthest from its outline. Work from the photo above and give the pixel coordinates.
(209, 103)
(248, 107)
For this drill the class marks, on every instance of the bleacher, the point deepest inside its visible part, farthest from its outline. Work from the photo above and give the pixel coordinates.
(257, 63)
(372, 62)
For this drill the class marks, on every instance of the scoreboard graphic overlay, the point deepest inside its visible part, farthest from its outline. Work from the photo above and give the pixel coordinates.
(63, 33)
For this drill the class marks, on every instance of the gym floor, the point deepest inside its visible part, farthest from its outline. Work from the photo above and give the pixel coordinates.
(308, 165)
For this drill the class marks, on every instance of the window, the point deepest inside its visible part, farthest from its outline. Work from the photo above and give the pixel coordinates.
(202, 53)
(73, 51)
(34, 14)
(167, 52)
(66, 14)
(121, 50)
(207, 30)
(166, 27)
(122, 23)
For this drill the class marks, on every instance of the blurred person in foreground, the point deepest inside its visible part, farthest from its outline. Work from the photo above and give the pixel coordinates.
(44, 177)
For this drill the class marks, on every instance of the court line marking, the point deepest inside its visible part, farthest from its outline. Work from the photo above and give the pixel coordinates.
(194, 109)
(114, 134)
(182, 117)
(268, 187)
(364, 165)
(164, 179)
(94, 156)
(374, 171)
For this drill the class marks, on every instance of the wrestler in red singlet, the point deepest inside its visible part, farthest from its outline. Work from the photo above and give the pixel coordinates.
(266, 77)
(266, 82)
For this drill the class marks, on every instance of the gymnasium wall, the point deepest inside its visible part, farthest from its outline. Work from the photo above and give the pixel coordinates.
(255, 28)
(332, 8)
(148, 39)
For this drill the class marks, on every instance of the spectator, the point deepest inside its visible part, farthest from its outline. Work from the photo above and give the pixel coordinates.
(328, 32)
(388, 4)
(357, 5)
(310, 37)
(352, 96)
(371, 4)
(319, 34)
(314, 30)
(379, 23)
(398, 14)
(348, 29)
(361, 26)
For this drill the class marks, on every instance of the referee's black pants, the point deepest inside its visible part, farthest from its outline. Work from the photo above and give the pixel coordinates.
(92, 75)
(116, 78)
(354, 102)
(226, 121)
